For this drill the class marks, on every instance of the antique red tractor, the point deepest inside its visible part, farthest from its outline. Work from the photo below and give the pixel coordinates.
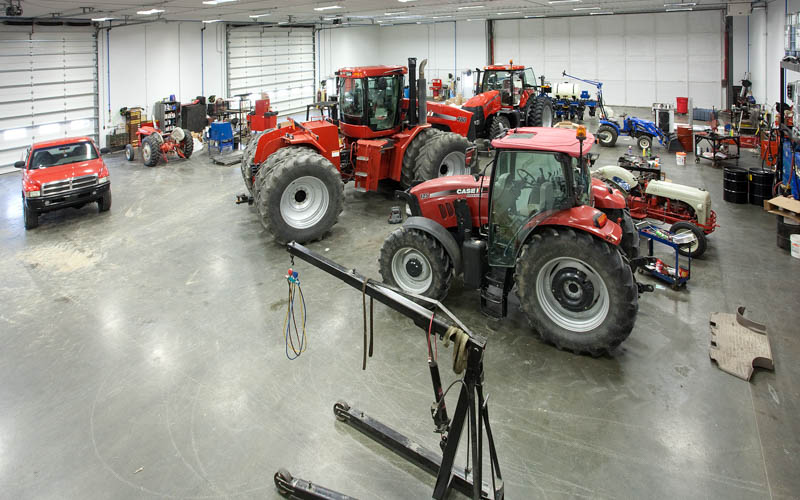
(686, 208)
(155, 147)
(295, 173)
(508, 96)
(534, 224)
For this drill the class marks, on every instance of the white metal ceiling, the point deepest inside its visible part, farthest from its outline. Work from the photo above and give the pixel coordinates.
(352, 11)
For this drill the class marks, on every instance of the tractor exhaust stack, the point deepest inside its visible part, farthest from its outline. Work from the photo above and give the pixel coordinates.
(412, 91)
(422, 93)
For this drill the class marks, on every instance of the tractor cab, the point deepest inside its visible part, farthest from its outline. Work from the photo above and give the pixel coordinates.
(369, 100)
(510, 80)
(537, 173)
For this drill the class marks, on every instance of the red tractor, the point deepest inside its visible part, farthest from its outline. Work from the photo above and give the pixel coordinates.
(155, 147)
(295, 173)
(507, 96)
(535, 224)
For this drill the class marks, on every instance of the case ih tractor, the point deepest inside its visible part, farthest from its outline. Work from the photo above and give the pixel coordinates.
(507, 96)
(155, 147)
(687, 208)
(531, 224)
(295, 173)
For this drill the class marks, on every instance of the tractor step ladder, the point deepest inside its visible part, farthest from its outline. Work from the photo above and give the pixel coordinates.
(370, 164)
(494, 296)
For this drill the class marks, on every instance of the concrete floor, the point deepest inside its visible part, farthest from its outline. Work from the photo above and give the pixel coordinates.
(143, 356)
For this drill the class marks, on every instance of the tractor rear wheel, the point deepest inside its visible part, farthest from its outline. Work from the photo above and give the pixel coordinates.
(409, 171)
(443, 155)
(540, 113)
(187, 144)
(498, 127)
(607, 135)
(693, 250)
(415, 262)
(300, 197)
(576, 291)
(151, 150)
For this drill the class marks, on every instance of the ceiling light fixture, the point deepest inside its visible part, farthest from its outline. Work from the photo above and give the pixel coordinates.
(215, 2)
(684, 4)
(328, 7)
(604, 13)
(507, 13)
(394, 13)
(406, 1)
(535, 15)
(556, 2)
(256, 16)
(101, 19)
(150, 12)
(471, 7)
(209, 21)
(441, 17)
(586, 8)
(678, 9)
(476, 19)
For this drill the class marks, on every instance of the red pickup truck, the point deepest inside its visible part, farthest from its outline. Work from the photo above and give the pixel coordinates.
(63, 173)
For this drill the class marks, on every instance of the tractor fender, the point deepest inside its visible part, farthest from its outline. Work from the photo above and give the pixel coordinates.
(612, 125)
(606, 197)
(583, 219)
(440, 234)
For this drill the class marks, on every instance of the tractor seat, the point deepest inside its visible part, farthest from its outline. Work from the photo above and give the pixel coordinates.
(541, 199)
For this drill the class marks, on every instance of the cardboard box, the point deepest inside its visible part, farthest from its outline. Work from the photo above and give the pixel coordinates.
(785, 206)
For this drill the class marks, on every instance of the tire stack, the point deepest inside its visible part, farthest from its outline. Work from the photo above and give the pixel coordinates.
(734, 185)
(786, 228)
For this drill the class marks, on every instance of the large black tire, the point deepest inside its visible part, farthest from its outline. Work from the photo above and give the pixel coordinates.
(540, 113)
(606, 135)
(555, 273)
(443, 155)
(187, 144)
(248, 160)
(415, 262)
(271, 162)
(30, 217)
(409, 171)
(630, 236)
(498, 127)
(694, 250)
(104, 203)
(151, 150)
(300, 195)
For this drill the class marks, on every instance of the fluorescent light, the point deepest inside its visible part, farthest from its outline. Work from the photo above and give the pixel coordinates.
(284, 22)
(604, 13)
(471, 7)
(441, 17)
(554, 2)
(150, 12)
(406, 1)
(215, 2)
(507, 13)
(586, 8)
(209, 21)
(101, 19)
(476, 19)
(329, 18)
(535, 15)
(394, 13)
(678, 9)
(684, 4)
(329, 7)
(15, 133)
(256, 16)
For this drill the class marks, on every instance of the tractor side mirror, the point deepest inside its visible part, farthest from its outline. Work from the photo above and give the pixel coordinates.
(19, 164)
(104, 151)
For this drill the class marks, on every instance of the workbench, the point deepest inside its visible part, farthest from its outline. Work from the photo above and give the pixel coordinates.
(717, 142)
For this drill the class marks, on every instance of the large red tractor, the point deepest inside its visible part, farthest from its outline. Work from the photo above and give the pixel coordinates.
(535, 223)
(508, 96)
(295, 172)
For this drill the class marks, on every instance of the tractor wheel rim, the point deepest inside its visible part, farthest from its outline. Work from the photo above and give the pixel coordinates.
(412, 270)
(146, 152)
(453, 164)
(572, 294)
(693, 246)
(304, 202)
(547, 117)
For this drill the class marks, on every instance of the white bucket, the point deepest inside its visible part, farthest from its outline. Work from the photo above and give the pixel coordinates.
(794, 241)
(680, 158)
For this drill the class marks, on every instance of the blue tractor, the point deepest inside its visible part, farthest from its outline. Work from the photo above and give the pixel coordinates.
(644, 131)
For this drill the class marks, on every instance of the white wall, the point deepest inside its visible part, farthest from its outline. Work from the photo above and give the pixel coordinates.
(640, 58)
(151, 61)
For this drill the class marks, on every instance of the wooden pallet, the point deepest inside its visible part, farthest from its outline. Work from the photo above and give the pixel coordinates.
(785, 206)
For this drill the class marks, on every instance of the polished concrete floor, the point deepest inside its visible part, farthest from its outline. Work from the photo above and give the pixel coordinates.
(143, 356)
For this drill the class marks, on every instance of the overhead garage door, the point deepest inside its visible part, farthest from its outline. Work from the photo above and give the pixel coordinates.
(48, 87)
(273, 60)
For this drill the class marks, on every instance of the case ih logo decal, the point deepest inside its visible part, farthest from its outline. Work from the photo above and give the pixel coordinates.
(459, 119)
(469, 192)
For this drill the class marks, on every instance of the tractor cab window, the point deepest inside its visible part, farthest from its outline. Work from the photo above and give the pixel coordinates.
(508, 83)
(351, 100)
(583, 180)
(383, 102)
(528, 186)
(530, 78)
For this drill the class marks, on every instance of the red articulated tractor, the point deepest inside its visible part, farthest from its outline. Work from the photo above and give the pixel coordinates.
(534, 224)
(295, 173)
(507, 96)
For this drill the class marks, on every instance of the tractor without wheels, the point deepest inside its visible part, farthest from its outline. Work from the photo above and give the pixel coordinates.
(531, 224)
(295, 173)
(507, 96)
(154, 147)
(687, 208)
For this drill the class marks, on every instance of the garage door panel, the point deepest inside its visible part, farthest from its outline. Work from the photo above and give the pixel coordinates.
(704, 95)
(670, 46)
(641, 94)
(671, 70)
(704, 69)
(705, 44)
(668, 91)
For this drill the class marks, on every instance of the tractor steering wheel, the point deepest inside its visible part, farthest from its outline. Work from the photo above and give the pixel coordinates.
(528, 180)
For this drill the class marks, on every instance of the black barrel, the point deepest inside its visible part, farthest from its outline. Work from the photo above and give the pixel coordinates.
(760, 186)
(734, 185)
(786, 228)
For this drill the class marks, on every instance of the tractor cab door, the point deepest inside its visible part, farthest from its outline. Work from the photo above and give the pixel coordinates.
(508, 83)
(527, 187)
(372, 102)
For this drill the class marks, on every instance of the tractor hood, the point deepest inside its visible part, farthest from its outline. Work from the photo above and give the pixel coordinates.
(481, 99)
(436, 196)
(698, 199)
(616, 173)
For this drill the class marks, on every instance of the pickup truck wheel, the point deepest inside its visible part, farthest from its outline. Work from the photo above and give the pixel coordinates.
(104, 203)
(129, 152)
(151, 151)
(31, 216)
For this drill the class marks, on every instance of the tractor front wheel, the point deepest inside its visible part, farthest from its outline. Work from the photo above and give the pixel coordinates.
(644, 142)
(300, 196)
(540, 114)
(576, 291)
(693, 250)
(607, 135)
(151, 150)
(416, 263)
(498, 127)
(443, 155)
